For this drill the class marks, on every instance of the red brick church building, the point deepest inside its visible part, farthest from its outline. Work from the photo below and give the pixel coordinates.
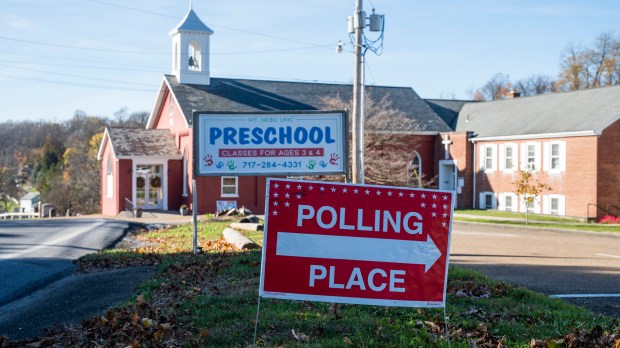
(570, 140)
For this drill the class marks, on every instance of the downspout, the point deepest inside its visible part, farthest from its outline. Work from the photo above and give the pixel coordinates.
(473, 142)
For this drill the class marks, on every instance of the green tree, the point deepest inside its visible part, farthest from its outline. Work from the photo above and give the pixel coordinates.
(8, 188)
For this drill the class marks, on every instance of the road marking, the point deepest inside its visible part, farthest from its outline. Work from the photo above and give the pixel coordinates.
(584, 295)
(347, 248)
(52, 242)
(507, 235)
(607, 255)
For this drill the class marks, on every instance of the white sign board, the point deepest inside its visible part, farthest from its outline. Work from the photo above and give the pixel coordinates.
(308, 143)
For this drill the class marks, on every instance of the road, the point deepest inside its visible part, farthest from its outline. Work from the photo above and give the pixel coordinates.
(34, 253)
(582, 268)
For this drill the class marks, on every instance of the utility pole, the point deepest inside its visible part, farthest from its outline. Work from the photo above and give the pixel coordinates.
(358, 118)
(357, 23)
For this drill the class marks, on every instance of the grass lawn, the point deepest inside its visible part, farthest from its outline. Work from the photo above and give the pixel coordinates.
(534, 220)
(210, 299)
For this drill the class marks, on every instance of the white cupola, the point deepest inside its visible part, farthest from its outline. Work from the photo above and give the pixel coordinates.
(190, 50)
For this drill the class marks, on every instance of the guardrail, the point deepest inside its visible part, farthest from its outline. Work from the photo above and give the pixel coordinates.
(13, 216)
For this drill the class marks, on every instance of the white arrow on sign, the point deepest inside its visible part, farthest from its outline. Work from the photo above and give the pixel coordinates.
(358, 248)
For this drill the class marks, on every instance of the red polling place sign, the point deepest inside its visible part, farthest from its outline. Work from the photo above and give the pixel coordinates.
(362, 244)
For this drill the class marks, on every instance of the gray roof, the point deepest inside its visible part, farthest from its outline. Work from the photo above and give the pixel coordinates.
(142, 142)
(191, 22)
(447, 109)
(30, 196)
(240, 95)
(589, 110)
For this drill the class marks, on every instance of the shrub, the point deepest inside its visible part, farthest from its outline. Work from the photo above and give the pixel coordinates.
(609, 220)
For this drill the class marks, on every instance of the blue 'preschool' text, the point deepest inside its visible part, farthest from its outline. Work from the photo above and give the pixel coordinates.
(270, 135)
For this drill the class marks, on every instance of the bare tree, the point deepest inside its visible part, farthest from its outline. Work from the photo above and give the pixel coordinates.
(597, 66)
(386, 155)
(598, 58)
(535, 85)
(496, 88)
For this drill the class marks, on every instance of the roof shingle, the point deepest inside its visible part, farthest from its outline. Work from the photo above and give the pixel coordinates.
(238, 95)
(578, 111)
(128, 142)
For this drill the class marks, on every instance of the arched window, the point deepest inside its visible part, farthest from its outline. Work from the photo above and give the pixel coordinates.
(185, 178)
(110, 178)
(195, 57)
(414, 171)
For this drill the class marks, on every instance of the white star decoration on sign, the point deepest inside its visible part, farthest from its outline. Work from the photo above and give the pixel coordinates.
(301, 192)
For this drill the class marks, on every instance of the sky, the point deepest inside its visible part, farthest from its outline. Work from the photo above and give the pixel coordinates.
(100, 56)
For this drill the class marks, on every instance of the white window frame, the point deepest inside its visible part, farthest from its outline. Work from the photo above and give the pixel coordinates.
(501, 205)
(547, 204)
(503, 159)
(236, 186)
(548, 165)
(484, 158)
(110, 177)
(185, 177)
(535, 164)
(483, 202)
(523, 205)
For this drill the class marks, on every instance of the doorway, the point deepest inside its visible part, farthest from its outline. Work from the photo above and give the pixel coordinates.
(149, 188)
(447, 175)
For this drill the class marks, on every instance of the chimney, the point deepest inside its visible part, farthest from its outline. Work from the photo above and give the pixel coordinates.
(513, 94)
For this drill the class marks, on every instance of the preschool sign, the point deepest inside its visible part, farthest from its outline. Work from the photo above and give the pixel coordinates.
(278, 143)
(361, 244)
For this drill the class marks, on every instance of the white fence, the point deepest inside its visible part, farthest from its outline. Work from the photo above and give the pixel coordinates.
(13, 216)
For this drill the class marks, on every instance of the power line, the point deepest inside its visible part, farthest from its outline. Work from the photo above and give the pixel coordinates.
(56, 82)
(272, 51)
(214, 25)
(327, 46)
(91, 67)
(76, 76)
(111, 50)
(30, 55)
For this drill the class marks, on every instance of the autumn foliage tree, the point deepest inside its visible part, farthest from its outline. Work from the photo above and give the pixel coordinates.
(529, 187)
(62, 158)
(590, 67)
